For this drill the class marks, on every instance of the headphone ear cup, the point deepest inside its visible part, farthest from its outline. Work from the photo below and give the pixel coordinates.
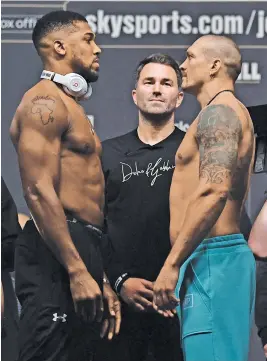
(88, 93)
(68, 91)
(75, 85)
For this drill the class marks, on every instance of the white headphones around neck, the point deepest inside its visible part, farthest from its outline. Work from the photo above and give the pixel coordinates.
(73, 84)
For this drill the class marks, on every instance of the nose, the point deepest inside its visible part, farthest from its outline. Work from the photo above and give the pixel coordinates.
(97, 49)
(182, 67)
(157, 88)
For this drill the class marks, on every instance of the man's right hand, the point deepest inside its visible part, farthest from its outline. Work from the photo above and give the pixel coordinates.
(87, 297)
(138, 293)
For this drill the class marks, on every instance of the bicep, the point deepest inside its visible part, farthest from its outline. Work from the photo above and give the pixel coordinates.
(218, 134)
(38, 157)
(39, 144)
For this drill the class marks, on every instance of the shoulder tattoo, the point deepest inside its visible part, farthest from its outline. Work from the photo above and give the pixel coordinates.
(218, 133)
(44, 106)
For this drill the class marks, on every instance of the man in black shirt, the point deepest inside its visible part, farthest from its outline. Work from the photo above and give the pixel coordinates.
(258, 244)
(138, 168)
(10, 230)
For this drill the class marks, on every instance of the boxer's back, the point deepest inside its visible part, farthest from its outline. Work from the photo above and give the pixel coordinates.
(52, 124)
(187, 173)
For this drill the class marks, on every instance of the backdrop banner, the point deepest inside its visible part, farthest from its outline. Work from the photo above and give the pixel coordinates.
(128, 31)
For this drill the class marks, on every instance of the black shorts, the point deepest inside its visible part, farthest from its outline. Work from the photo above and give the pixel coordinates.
(49, 328)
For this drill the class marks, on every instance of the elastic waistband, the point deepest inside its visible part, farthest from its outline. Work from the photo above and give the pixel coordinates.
(70, 218)
(222, 241)
(88, 225)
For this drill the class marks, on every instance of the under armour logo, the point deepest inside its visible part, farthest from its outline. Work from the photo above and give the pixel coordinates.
(62, 318)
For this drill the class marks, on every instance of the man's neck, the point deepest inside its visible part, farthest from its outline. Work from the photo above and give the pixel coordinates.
(151, 133)
(61, 69)
(58, 67)
(209, 90)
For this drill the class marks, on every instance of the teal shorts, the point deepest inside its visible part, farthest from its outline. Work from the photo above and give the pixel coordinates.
(216, 288)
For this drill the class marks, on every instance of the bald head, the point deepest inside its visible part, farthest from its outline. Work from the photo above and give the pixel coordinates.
(225, 49)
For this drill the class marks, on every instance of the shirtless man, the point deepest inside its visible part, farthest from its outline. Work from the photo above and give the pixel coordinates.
(59, 273)
(210, 267)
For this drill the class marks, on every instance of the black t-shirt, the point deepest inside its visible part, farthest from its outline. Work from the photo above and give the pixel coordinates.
(10, 227)
(138, 178)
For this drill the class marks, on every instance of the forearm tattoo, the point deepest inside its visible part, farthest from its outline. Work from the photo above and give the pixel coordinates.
(44, 106)
(218, 134)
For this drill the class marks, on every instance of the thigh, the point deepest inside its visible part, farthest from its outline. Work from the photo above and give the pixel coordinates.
(87, 243)
(216, 303)
(199, 347)
(49, 328)
(43, 300)
(44, 325)
(233, 303)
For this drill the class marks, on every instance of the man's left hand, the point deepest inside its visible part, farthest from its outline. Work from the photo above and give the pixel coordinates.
(112, 315)
(164, 300)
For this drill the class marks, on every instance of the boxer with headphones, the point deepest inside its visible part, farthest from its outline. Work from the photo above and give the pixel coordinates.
(59, 272)
(73, 84)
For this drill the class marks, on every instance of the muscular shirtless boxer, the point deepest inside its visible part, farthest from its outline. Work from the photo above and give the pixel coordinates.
(58, 263)
(210, 267)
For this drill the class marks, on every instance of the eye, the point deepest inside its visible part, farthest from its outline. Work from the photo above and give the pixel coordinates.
(148, 82)
(168, 84)
(89, 39)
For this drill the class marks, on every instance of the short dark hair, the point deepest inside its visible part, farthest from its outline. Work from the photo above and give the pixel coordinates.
(53, 21)
(159, 58)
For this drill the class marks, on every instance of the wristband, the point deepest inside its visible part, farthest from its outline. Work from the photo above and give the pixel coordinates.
(120, 280)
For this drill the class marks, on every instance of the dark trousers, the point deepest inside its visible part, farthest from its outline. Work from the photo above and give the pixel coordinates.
(261, 300)
(49, 329)
(143, 336)
(9, 339)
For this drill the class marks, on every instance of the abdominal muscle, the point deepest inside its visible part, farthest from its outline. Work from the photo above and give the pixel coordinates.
(82, 188)
(182, 189)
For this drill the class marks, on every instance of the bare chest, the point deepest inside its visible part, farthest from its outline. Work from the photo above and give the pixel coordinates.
(187, 154)
(81, 137)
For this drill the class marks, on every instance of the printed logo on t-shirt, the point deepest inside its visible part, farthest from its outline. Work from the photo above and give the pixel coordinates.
(152, 170)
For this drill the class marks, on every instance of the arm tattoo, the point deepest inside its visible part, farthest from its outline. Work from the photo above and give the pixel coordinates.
(218, 133)
(241, 175)
(44, 106)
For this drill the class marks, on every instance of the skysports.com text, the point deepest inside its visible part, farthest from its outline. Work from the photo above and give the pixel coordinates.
(138, 26)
